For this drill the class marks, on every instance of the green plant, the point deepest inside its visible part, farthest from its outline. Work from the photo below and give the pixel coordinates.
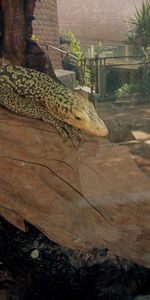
(34, 38)
(139, 32)
(141, 87)
(139, 36)
(126, 89)
(75, 49)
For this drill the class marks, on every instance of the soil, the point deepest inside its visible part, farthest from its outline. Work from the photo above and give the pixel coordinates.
(32, 267)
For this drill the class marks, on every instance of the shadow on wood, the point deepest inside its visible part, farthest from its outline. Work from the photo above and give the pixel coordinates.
(91, 197)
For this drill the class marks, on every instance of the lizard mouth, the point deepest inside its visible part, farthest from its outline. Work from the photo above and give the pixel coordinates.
(100, 130)
(92, 126)
(84, 117)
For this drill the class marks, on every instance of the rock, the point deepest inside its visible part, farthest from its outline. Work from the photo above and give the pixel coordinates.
(34, 254)
(124, 121)
(119, 131)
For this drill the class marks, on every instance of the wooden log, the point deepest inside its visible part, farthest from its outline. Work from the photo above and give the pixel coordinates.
(13, 31)
(95, 196)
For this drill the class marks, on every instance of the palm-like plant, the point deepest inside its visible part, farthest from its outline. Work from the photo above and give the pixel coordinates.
(139, 33)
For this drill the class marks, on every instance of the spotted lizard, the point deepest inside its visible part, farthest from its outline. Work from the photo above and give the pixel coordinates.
(33, 94)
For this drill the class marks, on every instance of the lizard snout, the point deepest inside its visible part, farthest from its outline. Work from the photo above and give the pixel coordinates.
(101, 129)
(96, 128)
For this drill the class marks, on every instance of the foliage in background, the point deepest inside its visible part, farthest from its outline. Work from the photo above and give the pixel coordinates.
(34, 38)
(139, 36)
(126, 89)
(141, 87)
(75, 49)
(139, 32)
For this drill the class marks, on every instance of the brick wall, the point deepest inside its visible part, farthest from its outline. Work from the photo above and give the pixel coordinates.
(45, 28)
(96, 19)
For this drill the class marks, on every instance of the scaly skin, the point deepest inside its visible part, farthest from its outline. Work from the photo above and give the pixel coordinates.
(36, 95)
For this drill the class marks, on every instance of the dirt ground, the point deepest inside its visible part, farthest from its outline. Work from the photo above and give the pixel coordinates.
(32, 267)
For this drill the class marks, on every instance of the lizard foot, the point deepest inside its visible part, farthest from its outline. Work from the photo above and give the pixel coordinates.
(65, 130)
(74, 134)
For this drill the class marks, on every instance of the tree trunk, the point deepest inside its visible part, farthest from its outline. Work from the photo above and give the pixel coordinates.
(13, 28)
(16, 45)
(93, 197)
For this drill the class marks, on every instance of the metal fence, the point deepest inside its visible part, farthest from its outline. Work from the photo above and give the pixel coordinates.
(104, 75)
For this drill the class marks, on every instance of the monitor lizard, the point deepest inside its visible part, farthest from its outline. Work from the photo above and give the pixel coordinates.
(34, 94)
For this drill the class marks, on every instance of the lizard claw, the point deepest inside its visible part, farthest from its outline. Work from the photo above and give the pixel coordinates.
(74, 134)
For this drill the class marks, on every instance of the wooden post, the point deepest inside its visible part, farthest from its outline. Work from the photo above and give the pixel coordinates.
(127, 52)
(13, 31)
(102, 77)
(97, 89)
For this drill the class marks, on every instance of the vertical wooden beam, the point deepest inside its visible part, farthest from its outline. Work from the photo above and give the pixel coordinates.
(13, 31)
(102, 78)
(97, 90)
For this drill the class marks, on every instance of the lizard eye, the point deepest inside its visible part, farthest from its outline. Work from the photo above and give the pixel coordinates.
(77, 118)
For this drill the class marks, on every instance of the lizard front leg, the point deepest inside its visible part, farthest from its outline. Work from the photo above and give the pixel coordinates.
(64, 129)
(76, 135)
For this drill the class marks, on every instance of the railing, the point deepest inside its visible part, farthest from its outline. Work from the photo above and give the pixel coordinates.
(97, 69)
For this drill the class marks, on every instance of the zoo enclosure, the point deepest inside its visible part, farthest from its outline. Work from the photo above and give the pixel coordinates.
(107, 74)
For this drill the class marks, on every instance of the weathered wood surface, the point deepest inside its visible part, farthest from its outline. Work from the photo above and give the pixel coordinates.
(13, 31)
(95, 196)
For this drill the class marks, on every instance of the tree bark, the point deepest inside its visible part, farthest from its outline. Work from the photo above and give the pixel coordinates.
(13, 28)
(16, 45)
(93, 197)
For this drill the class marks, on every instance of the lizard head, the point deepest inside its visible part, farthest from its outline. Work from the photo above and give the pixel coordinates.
(77, 111)
(83, 116)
